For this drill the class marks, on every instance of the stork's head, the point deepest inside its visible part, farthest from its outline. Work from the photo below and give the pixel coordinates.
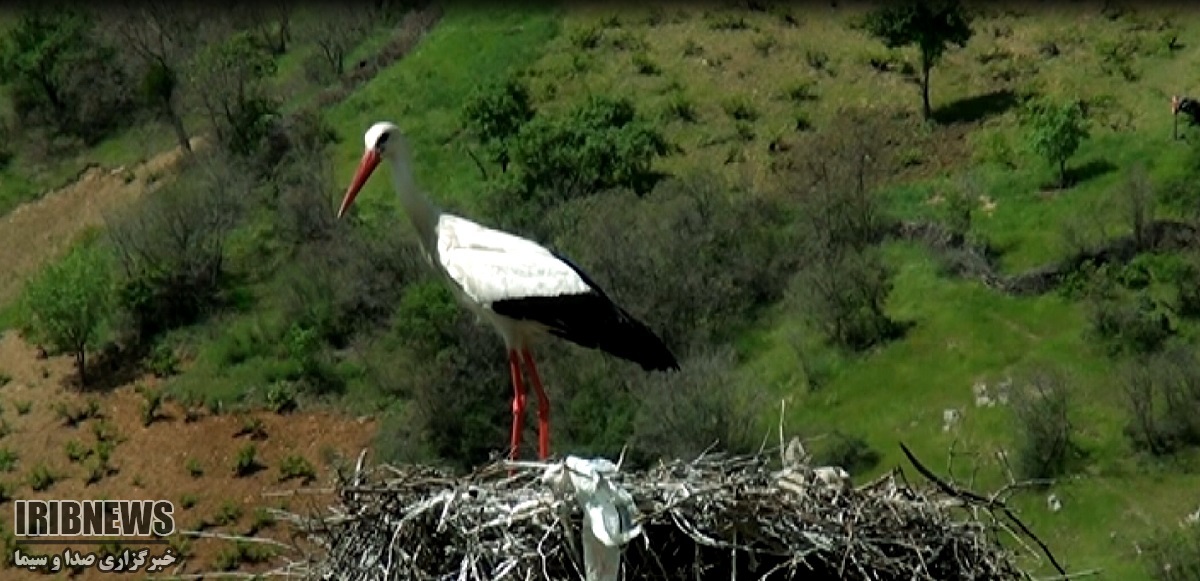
(382, 140)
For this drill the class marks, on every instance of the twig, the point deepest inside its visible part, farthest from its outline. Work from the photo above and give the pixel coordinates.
(989, 503)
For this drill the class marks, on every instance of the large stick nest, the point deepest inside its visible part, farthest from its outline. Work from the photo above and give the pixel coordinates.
(713, 517)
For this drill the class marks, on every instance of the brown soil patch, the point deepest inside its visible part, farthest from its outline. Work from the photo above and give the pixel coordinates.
(36, 232)
(151, 462)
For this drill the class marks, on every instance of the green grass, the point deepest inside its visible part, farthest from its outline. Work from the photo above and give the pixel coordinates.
(964, 333)
(424, 92)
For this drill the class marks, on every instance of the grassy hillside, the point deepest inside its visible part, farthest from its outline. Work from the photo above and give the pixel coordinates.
(963, 333)
(734, 89)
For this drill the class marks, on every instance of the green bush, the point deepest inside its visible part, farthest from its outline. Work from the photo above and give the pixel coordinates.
(599, 145)
(62, 75)
(1175, 555)
(495, 114)
(69, 301)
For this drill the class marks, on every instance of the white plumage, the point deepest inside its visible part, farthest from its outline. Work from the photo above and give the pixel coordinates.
(490, 265)
(523, 289)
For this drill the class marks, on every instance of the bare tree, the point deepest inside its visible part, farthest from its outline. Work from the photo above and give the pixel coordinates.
(171, 246)
(1140, 201)
(335, 31)
(269, 21)
(163, 36)
(844, 283)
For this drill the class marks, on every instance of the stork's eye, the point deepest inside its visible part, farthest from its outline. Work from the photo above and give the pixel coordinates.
(382, 141)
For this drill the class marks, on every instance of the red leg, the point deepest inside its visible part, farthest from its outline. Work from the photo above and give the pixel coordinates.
(543, 407)
(518, 405)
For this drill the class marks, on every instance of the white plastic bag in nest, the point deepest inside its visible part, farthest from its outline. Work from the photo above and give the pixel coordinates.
(608, 513)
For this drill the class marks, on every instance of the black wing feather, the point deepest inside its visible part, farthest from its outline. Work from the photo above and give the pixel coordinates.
(594, 321)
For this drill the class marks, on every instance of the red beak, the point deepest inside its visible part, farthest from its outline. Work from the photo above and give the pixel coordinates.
(370, 160)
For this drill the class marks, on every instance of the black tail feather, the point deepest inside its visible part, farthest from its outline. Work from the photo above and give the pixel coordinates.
(592, 320)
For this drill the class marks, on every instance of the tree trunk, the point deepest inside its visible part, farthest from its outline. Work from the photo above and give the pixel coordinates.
(81, 363)
(1062, 174)
(176, 122)
(925, 68)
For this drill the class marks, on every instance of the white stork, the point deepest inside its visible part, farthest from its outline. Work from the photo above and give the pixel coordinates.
(524, 290)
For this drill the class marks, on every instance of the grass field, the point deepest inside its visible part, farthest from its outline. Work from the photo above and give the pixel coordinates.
(748, 79)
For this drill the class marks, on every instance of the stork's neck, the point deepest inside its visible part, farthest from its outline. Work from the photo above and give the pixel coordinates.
(421, 212)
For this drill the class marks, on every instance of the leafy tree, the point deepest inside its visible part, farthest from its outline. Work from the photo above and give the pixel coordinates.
(495, 114)
(68, 302)
(60, 75)
(931, 25)
(599, 145)
(1056, 130)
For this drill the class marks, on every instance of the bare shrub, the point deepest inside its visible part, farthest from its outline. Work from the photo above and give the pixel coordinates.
(683, 257)
(171, 246)
(843, 284)
(1163, 397)
(1140, 201)
(1040, 407)
(683, 414)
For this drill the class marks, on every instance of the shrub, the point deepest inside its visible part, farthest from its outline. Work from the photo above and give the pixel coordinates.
(163, 362)
(455, 378)
(246, 462)
(681, 257)
(350, 283)
(495, 114)
(1162, 393)
(171, 247)
(681, 415)
(1040, 408)
(41, 478)
(62, 76)
(844, 283)
(1175, 555)
(599, 145)
(296, 466)
(69, 301)
(230, 77)
(1124, 321)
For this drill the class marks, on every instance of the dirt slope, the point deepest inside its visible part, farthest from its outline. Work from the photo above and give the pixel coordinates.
(38, 231)
(173, 458)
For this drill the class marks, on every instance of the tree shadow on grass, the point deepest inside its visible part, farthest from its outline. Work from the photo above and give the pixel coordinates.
(1089, 171)
(977, 108)
(1080, 174)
